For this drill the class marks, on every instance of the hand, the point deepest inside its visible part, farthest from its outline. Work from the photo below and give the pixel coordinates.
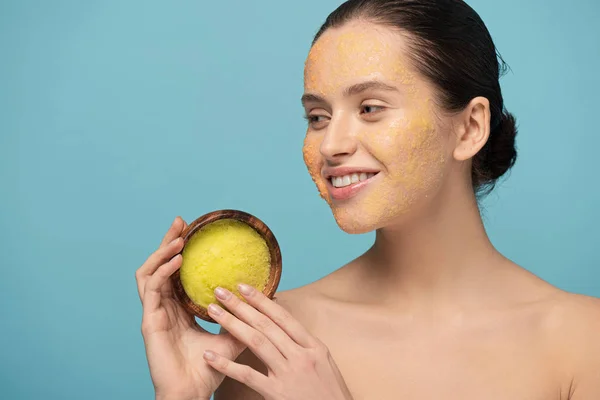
(174, 341)
(300, 367)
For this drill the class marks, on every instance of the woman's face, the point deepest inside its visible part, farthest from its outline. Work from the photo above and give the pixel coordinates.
(373, 144)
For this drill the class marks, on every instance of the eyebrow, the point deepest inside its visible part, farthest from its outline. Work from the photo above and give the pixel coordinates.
(352, 90)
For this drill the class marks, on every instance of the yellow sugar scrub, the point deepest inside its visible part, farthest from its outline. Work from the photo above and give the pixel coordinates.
(224, 248)
(226, 252)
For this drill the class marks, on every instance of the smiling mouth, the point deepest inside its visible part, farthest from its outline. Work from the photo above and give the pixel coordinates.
(350, 179)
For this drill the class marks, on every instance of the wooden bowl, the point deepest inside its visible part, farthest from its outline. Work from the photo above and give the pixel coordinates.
(253, 222)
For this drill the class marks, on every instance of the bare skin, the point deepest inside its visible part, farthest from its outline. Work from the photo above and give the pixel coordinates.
(432, 310)
(542, 345)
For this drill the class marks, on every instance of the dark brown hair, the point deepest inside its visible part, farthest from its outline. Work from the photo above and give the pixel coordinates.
(451, 47)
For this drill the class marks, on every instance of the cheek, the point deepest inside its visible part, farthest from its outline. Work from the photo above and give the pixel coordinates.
(314, 163)
(420, 161)
(413, 154)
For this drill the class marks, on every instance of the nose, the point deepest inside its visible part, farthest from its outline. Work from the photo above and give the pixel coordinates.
(339, 142)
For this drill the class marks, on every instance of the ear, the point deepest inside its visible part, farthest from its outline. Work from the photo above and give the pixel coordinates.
(473, 129)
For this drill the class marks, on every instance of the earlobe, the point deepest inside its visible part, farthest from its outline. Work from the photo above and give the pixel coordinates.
(475, 129)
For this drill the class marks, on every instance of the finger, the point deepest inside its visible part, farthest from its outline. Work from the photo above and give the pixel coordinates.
(156, 259)
(174, 231)
(152, 290)
(258, 321)
(241, 373)
(278, 315)
(256, 341)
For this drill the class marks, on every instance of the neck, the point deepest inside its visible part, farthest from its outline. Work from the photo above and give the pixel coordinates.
(440, 259)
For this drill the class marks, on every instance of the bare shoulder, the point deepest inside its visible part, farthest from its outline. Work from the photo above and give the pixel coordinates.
(576, 315)
(574, 321)
(300, 303)
(296, 302)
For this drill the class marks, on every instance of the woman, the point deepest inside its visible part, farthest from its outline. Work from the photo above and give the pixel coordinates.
(406, 129)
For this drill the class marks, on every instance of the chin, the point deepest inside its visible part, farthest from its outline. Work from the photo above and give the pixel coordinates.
(365, 217)
(354, 221)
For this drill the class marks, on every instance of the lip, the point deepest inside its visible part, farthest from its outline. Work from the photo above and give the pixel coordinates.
(341, 171)
(347, 192)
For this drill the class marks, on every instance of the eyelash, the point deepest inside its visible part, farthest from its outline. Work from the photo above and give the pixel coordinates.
(370, 106)
(309, 118)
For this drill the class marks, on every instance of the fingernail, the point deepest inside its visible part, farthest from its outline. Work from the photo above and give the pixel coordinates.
(174, 241)
(209, 355)
(215, 309)
(245, 289)
(222, 294)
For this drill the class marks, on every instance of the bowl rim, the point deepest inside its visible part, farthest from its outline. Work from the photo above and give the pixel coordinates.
(254, 222)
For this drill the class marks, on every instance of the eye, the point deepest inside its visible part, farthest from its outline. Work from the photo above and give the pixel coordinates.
(314, 118)
(371, 109)
(316, 121)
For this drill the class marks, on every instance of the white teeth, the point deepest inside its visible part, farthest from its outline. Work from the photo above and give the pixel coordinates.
(346, 180)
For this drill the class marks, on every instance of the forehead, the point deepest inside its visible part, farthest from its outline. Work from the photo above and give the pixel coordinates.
(354, 52)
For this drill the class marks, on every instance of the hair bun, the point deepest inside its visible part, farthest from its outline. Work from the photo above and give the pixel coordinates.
(498, 155)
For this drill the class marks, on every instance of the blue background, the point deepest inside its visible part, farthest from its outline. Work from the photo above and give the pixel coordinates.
(115, 116)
